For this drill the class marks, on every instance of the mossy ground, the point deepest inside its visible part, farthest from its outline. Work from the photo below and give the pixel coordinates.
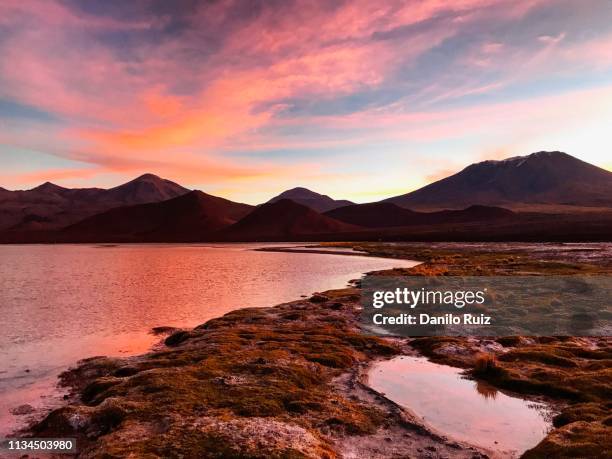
(575, 373)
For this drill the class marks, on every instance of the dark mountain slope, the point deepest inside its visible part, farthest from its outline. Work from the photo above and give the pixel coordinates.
(387, 214)
(543, 180)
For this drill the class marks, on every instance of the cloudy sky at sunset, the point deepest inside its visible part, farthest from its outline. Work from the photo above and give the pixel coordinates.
(243, 99)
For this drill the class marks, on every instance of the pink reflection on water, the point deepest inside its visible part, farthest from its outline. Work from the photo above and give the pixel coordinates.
(466, 410)
(30, 379)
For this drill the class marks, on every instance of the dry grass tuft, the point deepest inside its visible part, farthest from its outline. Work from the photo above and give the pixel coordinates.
(486, 365)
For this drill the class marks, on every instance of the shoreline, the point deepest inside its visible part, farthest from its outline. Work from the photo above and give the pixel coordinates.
(19, 379)
(108, 385)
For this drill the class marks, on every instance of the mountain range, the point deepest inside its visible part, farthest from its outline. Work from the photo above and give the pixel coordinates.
(50, 206)
(545, 195)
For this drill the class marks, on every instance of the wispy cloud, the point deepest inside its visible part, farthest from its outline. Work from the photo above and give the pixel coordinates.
(222, 92)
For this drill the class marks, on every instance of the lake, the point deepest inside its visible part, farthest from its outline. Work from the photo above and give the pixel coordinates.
(62, 303)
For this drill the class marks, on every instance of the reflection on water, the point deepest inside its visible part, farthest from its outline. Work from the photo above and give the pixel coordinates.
(486, 390)
(61, 303)
(466, 410)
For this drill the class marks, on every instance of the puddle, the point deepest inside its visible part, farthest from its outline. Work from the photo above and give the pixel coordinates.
(466, 410)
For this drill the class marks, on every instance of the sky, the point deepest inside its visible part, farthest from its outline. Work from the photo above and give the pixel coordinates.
(359, 100)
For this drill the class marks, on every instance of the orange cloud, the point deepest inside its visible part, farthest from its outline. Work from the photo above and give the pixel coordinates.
(48, 175)
(162, 104)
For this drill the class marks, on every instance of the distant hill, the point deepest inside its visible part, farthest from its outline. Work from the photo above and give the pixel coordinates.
(387, 215)
(4, 194)
(190, 217)
(146, 188)
(49, 206)
(319, 202)
(543, 181)
(284, 219)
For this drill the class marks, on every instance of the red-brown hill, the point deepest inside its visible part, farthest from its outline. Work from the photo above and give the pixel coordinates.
(284, 220)
(190, 217)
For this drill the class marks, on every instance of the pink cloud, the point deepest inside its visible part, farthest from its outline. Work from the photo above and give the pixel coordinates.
(168, 106)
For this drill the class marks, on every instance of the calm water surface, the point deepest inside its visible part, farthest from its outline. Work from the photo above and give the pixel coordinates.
(467, 410)
(61, 303)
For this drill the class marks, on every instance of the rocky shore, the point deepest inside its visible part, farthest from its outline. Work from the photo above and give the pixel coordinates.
(288, 381)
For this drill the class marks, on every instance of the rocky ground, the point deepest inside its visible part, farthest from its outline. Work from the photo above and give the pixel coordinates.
(287, 381)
